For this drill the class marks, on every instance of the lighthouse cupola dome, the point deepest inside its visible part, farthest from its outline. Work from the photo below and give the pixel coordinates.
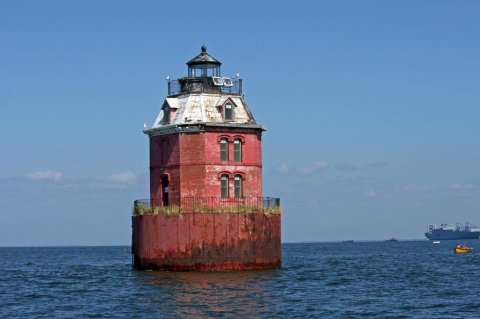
(203, 65)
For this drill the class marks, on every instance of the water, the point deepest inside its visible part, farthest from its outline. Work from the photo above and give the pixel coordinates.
(328, 280)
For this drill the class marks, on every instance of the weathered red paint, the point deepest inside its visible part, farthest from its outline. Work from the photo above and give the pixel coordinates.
(207, 241)
(193, 166)
(185, 162)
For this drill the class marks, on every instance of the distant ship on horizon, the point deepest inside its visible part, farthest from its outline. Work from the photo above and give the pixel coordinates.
(450, 231)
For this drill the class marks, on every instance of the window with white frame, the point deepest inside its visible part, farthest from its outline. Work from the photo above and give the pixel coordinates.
(237, 150)
(237, 185)
(228, 113)
(224, 186)
(224, 149)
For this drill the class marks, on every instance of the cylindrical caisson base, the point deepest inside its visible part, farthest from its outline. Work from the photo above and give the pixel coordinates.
(206, 241)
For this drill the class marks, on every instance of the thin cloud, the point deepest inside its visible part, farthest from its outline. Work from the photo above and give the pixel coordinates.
(45, 175)
(416, 188)
(124, 177)
(282, 168)
(312, 168)
(345, 167)
(461, 186)
(456, 186)
(378, 164)
(371, 193)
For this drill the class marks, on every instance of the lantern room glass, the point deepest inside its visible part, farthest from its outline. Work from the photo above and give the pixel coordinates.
(204, 70)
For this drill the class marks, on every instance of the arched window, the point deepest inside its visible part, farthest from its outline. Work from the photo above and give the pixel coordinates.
(224, 186)
(237, 183)
(224, 149)
(237, 150)
(228, 112)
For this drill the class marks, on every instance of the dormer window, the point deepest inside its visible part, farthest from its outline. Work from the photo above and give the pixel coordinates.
(228, 113)
(166, 114)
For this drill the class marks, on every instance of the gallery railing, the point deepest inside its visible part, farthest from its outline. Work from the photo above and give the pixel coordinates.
(204, 85)
(193, 204)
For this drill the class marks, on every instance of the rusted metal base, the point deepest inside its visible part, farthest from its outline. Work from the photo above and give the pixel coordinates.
(206, 241)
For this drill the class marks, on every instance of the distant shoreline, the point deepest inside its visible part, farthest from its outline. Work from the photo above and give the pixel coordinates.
(286, 242)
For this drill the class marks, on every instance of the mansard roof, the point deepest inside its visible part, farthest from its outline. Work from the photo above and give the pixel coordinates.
(203, 108)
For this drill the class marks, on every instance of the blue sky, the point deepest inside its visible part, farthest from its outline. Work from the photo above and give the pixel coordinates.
(372, 111)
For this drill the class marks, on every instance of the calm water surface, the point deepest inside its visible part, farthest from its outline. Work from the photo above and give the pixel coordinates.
(323, 280)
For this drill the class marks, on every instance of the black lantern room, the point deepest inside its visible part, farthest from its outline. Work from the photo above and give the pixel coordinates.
(204, 76)
(203, 65)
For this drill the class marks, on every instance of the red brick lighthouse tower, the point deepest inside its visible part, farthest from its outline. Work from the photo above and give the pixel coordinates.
(206, 210)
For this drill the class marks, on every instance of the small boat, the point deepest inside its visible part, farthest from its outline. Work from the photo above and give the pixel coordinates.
(463, 249)
(436, 241)
(348, 241)
(392, 239)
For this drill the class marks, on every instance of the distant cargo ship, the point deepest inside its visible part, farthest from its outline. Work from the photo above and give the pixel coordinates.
(450, 231)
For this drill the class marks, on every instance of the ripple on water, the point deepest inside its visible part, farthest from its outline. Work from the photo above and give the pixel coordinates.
(329, 280)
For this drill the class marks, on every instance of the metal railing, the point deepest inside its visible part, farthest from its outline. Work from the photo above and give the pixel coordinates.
(193, 204)
(203, 85)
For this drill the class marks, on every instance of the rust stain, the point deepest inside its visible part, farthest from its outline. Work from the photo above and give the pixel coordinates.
(218, 241)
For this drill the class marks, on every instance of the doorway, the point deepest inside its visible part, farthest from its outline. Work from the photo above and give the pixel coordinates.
(165, 190)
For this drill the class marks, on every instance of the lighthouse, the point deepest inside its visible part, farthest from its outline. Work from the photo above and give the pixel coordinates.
(206, 209)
